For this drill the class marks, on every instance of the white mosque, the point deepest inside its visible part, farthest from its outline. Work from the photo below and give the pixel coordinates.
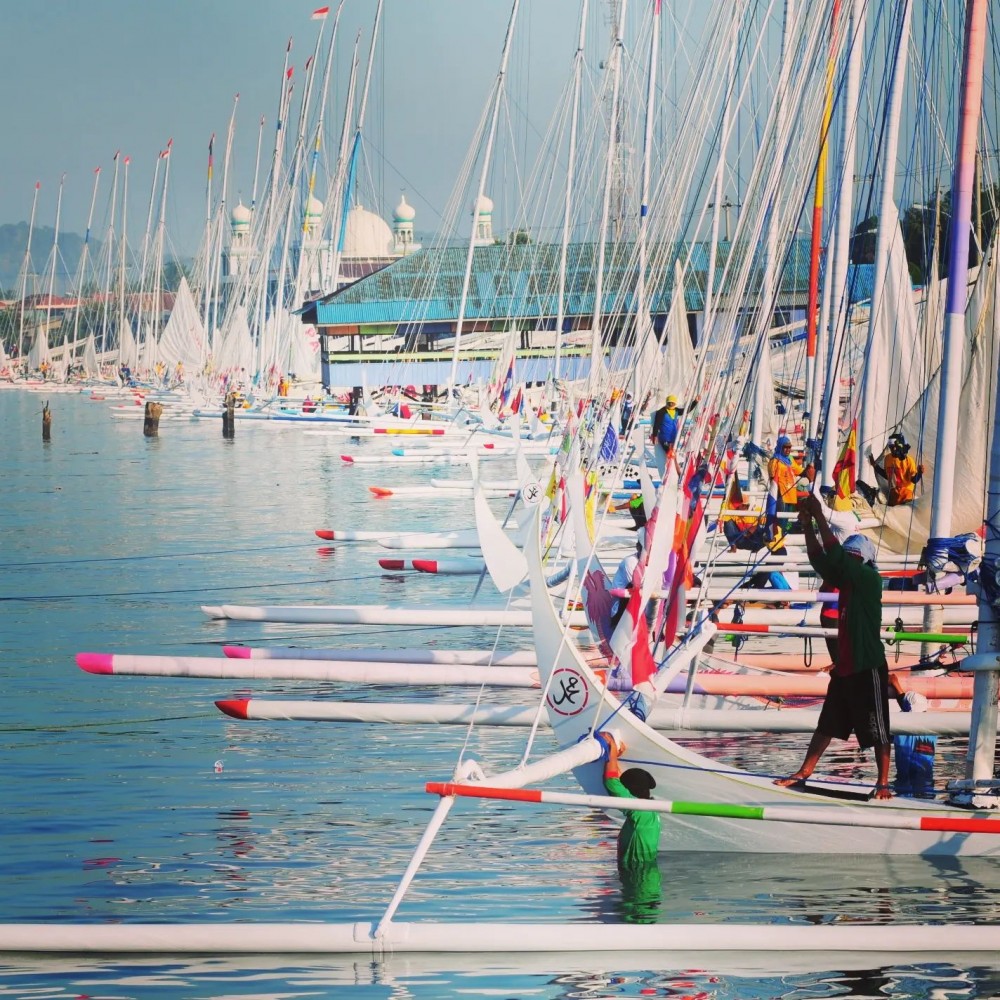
(369, 244)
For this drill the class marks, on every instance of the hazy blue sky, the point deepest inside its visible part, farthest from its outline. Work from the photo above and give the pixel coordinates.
(83, 78)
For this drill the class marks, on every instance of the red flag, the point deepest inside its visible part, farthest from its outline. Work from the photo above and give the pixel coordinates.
(289, 72)
(319, 13)
(630, 640)
(845, 471)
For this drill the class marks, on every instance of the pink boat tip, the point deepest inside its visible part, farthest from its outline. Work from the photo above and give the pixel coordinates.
(347, 458)
(96, 663)
(325, 533)
(392, 564)
(425, 565)
(237, 652)
(235, 707)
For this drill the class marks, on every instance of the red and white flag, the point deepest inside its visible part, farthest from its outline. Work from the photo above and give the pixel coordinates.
(319, 13)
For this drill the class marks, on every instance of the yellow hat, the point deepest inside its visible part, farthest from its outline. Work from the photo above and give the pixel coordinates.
(671, 400)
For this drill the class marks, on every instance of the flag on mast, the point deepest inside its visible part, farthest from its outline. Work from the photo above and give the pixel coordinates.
(319, 13)
(845, 471)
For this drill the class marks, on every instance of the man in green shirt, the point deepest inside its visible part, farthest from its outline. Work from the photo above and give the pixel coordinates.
(639, 838)
(857, 699)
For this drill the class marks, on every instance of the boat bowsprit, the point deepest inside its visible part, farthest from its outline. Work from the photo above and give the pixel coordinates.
(376, 614)
(343, 671)
(422, 654)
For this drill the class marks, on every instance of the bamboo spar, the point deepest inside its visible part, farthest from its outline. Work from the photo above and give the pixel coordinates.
(889, 818)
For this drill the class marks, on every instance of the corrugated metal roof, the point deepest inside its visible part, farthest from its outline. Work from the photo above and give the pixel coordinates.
(521, 282)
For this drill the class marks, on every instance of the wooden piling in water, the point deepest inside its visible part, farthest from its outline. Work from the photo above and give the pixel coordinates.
(229, 416)
(46, 422)
(151, 420)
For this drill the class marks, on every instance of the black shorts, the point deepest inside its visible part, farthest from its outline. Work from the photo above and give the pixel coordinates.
(859, 704)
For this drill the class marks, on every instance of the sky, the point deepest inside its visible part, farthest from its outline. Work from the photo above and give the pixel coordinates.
(85, 78)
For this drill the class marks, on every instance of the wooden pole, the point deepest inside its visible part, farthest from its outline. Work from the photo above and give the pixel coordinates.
(151, 421)
(46, 422)
(229, 416)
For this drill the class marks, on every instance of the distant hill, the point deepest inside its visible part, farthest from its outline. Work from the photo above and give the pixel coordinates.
(14, 239)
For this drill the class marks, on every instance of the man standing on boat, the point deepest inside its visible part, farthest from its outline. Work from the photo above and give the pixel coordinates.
(899, 470)
(857, 699)
(664, 431)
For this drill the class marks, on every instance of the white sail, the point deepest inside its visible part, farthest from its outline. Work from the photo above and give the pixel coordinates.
(150, 354)
(128, 350)
(896, 362)
(91, 367)
(982, 343)
(39, 352)
(769, 422)
(183, 338)
(678, 355)
(303, 352)
(61, 367)
(235, 346)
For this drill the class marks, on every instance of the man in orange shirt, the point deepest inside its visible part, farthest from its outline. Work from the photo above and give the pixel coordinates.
(899, 470)
(787, 473)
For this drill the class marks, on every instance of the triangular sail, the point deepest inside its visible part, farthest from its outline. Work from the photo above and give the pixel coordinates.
(982, 330)
(895, 358)
(183, 338)
(678, 355)
(91, 366)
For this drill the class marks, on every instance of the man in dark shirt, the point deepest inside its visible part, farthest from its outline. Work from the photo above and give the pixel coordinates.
(857, 699)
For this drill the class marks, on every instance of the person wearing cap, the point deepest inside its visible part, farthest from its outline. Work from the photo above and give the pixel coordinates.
(635, 506)
(665, 428)
(628, 407)
(787, 473)
(857, 698)
(639, 839)
(899, 470)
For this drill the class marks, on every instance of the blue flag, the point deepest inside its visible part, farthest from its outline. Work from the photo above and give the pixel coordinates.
(609, 446)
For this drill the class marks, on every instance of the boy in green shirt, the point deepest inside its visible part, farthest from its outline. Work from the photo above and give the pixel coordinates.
(639, 838)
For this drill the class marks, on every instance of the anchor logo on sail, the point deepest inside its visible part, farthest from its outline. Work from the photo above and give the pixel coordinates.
(568, 692)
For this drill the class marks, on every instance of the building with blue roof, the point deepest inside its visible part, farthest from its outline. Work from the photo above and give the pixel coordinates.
(404, 316)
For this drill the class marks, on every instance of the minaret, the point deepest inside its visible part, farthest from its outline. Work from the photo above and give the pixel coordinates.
(239, 240)
(483, 221)
(402, 226)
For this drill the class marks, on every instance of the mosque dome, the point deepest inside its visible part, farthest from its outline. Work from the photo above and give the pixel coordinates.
(404, 211)
(241, 217)
(485, 206)
(314, 208)
(367, 235)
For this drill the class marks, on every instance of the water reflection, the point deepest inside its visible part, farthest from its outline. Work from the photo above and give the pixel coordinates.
(548, 977)
(792, 888)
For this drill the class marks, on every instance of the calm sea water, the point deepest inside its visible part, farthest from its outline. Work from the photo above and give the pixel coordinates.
(114, 810)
